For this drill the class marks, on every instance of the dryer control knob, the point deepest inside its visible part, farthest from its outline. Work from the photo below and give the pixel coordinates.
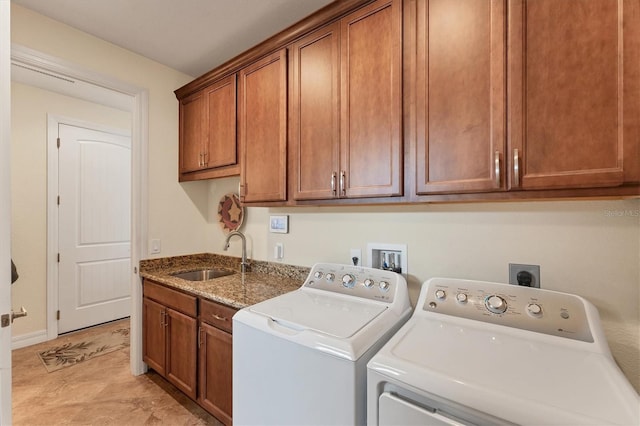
(462, 297)
(348, 280)
(330, 277)
(384, 285)
(495, 304)
(440, 294)
(318, 274)
(534, 309)
(368, 283)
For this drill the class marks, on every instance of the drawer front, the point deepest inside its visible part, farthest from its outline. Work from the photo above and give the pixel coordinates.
(181, 302)
(216, 314)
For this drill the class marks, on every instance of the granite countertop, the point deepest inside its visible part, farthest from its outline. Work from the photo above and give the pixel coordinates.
(263, 281)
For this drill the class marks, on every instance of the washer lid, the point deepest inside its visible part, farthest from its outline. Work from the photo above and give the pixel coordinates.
(509, 374)
(336, 315)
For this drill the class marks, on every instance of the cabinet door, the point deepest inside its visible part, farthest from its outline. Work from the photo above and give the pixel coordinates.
(220, 148)
(315, 114)
(460, 96)
(263, 129)
(192, 132)
(154, 341)
(371, 101)
(182, 351)
(574, 99)
(216, 372)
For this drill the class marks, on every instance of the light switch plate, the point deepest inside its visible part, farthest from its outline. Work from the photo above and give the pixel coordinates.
(155, 246)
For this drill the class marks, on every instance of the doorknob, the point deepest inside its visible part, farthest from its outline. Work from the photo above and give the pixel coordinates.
(22, 313)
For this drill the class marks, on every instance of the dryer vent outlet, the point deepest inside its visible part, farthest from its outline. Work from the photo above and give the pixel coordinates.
(524, 275)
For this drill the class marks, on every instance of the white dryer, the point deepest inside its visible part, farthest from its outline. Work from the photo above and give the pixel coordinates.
(486, 353)
(301, 358)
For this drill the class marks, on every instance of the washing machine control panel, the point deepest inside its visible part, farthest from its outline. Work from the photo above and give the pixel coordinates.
(368, 283)
(527, 308)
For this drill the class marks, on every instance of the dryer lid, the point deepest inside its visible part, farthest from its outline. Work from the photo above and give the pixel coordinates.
(332, 314)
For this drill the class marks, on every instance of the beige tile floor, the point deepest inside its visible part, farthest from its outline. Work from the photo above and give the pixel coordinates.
(100, 391)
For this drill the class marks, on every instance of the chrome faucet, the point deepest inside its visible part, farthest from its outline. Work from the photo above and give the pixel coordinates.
(243, 264)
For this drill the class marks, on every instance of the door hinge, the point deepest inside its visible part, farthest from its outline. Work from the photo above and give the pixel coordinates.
(58, 257)
(5, 320)
(58, 314)
(58, 200)
(58, 142)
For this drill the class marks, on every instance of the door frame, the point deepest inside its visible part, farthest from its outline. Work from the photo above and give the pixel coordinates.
(5, 208)
(139, 183)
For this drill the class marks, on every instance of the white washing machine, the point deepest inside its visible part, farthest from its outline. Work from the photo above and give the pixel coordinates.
(301, 358)
(486, 353)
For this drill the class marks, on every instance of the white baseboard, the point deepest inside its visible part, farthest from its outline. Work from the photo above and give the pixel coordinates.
(28, 339)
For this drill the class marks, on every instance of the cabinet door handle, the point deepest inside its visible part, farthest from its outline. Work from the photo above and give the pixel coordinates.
(200, 160)
(333, 183)
(496, 161)
(205, 161)
(218, 317)
(516, 167)
(343, 191)
(200, 330)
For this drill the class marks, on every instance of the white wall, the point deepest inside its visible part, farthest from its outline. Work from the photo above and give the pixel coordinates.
(169, 204)
(29, 109)
(591, 248)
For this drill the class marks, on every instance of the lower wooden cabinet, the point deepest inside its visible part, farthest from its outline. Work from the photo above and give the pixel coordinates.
(214, 387)
(188, 341)
(170, 337)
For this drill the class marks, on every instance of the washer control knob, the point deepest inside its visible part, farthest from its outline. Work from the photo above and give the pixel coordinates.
(330, 277)
(368, 283)
(534, 309)
(384, 285)
(495, 304)
(318, 275)
(462, 297)
(440, 294)
(348, 280)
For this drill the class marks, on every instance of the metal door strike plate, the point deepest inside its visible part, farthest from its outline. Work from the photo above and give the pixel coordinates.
(6, 320)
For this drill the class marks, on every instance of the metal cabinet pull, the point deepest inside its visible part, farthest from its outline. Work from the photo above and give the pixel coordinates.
(205, 161)
(343, 191)
(161, 318)
(333, 183)
(496, 161)
(218, 317)
(200, 160)
(516, 168)
(200, 330)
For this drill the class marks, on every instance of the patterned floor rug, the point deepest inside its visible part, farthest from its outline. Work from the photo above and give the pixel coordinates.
(75, 352)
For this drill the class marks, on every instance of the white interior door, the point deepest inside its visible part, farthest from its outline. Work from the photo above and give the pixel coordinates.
(5, 211)
(94, 232)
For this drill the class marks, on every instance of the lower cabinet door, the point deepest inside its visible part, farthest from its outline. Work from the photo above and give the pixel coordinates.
(215, 372)
(154, 343)
(182, 351)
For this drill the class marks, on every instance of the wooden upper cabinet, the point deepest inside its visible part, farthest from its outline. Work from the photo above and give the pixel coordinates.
(371, 101)
(262, 109)
(460, 96)
(315, 114)
(192, 132)
(574, 85)
(208, 146)
(346, 107)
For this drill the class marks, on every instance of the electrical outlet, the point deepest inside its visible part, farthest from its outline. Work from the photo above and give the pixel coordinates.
(356, 253)
(517, 268)
(278, 251)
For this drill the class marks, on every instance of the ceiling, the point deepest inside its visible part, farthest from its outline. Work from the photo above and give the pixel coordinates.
(192, 36)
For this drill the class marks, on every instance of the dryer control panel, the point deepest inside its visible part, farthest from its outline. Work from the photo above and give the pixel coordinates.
(527, 308)
(368, 283)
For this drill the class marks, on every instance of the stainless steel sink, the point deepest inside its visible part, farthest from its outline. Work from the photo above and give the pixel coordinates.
(203, 274)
